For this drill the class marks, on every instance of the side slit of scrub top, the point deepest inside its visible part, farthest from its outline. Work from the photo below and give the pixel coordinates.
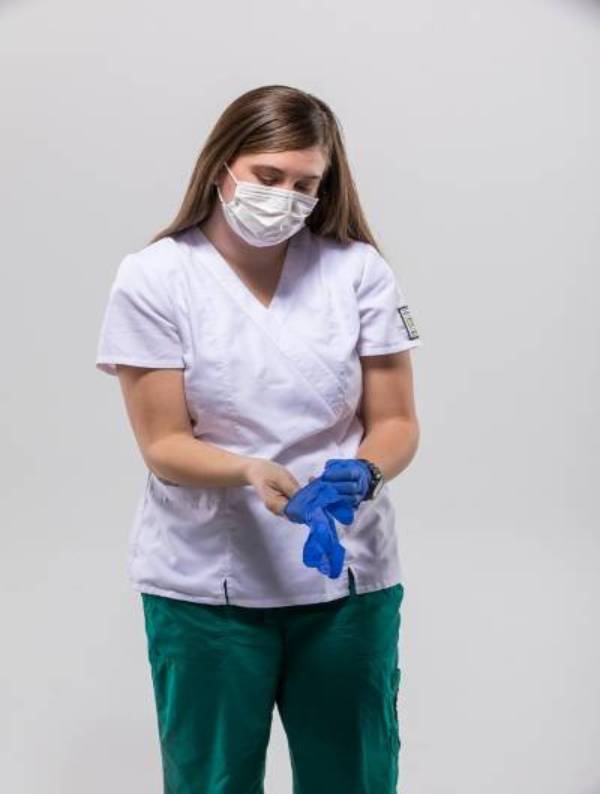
(282, 382)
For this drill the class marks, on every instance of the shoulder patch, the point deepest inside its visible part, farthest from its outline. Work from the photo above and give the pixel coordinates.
(409, 324)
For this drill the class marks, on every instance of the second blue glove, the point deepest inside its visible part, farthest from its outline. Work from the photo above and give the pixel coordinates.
(316, 505)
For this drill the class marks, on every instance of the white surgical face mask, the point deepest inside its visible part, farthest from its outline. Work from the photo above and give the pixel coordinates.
(264, 215)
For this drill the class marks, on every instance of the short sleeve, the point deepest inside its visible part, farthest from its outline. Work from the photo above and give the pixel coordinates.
(138, 327)
(386, 322)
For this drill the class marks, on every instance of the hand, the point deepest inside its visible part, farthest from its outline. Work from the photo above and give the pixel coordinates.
(273, 482)
(350, 477)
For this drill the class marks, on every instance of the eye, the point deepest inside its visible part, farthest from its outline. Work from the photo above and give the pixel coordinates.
(270, 182)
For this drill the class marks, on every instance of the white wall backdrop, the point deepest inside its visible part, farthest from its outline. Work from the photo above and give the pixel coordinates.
(473, 131)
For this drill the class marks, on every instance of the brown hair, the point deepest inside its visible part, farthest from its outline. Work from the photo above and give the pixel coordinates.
(278, 118)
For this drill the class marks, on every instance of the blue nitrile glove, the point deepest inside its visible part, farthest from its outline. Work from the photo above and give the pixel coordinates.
(319, 494)
(315, 505)
(322, 549)
(351, 478)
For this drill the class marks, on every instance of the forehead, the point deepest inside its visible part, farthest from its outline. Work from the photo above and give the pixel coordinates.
(298, 162)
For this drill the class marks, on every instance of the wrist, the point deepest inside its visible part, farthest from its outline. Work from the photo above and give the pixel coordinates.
(377, 479)
(245, 468)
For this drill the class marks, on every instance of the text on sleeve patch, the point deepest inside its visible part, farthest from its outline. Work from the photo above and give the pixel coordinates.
(408, 321)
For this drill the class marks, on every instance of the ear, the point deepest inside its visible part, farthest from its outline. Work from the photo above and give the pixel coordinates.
(220, 181)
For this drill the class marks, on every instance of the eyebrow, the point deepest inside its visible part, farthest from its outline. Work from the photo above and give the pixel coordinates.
(279, 171)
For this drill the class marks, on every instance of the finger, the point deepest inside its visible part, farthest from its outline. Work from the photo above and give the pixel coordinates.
(313, 552)
(336, 561)
(342, 471)
(335, 497)
(288, 484)
(323, 526)
(277, 503)
(342, 511)
(345, 486)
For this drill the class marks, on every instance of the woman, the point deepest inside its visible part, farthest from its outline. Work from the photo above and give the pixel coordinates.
(262, 345)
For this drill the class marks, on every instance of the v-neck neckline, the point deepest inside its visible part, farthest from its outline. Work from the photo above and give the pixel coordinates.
(227, 274)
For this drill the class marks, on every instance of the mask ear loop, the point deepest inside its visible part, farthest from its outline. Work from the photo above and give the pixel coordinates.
(218, 190)
(230, 173)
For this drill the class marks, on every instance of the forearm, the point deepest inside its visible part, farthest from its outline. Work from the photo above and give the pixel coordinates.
(184, 460)
(391, 444)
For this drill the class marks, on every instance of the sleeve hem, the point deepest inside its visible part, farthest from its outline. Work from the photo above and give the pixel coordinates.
(108, 364)
(391, 347)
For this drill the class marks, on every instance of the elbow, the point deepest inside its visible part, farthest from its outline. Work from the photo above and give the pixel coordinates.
(411, 436)
(153, 461)
(158, 458)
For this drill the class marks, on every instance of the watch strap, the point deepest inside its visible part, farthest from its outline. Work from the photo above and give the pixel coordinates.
(377, 478)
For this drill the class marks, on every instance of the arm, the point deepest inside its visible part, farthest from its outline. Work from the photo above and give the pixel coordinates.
(388, 412)
(158, 415)
(157, 410)
(140, 342)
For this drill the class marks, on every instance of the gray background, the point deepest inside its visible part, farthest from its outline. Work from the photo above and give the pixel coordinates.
(472, 129)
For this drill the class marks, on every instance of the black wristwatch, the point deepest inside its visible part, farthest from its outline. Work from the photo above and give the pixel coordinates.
(377, 479)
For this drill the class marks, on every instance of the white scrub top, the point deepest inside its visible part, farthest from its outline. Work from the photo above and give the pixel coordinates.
(283, 383)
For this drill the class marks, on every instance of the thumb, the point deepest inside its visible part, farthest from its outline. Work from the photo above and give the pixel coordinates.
(278, 505)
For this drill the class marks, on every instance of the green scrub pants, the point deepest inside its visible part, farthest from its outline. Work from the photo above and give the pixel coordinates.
(331, 668)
